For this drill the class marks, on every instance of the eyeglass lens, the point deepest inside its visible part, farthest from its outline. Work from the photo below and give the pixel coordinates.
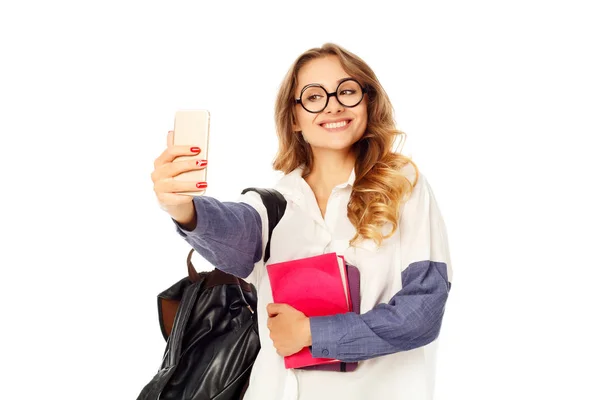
(349, 94)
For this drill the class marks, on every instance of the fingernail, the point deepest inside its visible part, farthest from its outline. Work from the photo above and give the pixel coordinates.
(195, 149)
(201, 163)
(201, 185)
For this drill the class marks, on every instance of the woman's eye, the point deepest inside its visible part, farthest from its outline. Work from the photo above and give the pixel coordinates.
(348, 92)
(314, 97)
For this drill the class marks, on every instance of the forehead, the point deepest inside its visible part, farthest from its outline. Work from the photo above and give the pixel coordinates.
(325, 71)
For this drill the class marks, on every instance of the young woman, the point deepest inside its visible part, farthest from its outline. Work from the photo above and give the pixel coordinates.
(347, 192)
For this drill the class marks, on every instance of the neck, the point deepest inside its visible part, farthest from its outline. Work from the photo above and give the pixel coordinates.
(330, 168)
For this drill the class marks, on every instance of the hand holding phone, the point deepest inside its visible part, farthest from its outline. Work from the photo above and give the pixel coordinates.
(179, 172)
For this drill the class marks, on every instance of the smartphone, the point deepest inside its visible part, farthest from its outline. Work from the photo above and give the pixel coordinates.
(191, 128)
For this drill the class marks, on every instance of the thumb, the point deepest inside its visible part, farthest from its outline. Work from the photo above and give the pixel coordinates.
(273, 309)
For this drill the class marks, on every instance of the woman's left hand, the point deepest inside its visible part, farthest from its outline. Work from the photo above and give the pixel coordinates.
(290, 329)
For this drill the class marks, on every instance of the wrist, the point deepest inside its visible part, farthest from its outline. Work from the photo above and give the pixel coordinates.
(185, 216)
(308, 334)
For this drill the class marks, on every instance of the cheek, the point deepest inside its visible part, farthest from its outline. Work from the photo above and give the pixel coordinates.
(363, 111)
(306, 122)
(362, 117)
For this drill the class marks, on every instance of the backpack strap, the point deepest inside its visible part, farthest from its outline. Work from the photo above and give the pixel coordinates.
(275, 204)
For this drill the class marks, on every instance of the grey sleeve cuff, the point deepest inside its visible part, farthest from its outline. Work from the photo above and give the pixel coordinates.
(227, 234)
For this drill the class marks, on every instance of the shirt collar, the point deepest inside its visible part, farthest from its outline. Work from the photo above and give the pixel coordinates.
(350, 180)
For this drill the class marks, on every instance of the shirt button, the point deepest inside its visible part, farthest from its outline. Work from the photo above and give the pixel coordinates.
(325, 352)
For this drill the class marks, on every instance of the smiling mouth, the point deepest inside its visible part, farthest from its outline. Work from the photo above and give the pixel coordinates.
(336, 125)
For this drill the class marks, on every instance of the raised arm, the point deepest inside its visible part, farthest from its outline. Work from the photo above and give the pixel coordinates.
(227, 234)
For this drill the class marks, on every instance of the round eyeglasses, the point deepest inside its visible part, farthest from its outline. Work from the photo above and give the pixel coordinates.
(314, 98)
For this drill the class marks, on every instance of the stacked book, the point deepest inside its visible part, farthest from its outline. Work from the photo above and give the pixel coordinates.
(317, 286)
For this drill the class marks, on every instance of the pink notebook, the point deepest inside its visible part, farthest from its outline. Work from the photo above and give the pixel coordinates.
(317, 286)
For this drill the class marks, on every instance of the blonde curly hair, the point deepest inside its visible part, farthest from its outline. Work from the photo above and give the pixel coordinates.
(379, 188)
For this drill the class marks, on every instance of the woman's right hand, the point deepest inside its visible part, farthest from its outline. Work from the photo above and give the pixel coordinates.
(179, 206)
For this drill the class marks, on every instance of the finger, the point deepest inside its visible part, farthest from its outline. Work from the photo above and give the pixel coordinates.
(173, 199)
(172, 169)
(177, 167)
(174, 186)
(272, 309)
(172, 152)
(170, 139)
(277, 308)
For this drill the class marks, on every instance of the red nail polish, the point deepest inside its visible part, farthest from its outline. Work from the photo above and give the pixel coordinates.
(201, 185)
(195, 149)
(201, 163)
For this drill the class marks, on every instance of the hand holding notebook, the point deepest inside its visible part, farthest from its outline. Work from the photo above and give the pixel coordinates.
(316, 286)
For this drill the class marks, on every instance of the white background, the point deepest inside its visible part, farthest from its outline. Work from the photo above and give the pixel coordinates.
(500, 102)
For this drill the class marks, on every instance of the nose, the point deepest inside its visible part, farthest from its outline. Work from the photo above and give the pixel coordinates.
(333, 106)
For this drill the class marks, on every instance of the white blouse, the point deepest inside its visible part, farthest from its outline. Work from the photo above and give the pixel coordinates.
(302, 232)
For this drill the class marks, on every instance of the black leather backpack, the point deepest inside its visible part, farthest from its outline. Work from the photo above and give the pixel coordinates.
(210, 326)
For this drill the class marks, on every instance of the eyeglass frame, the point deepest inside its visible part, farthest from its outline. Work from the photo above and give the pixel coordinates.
(299, 100)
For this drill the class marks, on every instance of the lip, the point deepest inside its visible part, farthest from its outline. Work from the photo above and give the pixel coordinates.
(328, 121)
(337, 129)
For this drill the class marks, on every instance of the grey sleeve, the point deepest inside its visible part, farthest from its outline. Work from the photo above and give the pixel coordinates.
(411, 319)
(228, 235)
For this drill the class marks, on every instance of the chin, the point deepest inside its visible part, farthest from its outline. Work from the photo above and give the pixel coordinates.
(337, 146)
(333, 141)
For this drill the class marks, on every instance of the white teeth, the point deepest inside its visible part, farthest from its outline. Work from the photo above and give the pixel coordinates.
(335, 125)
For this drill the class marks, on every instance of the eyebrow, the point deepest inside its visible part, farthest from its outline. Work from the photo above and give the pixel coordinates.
(338, 82)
